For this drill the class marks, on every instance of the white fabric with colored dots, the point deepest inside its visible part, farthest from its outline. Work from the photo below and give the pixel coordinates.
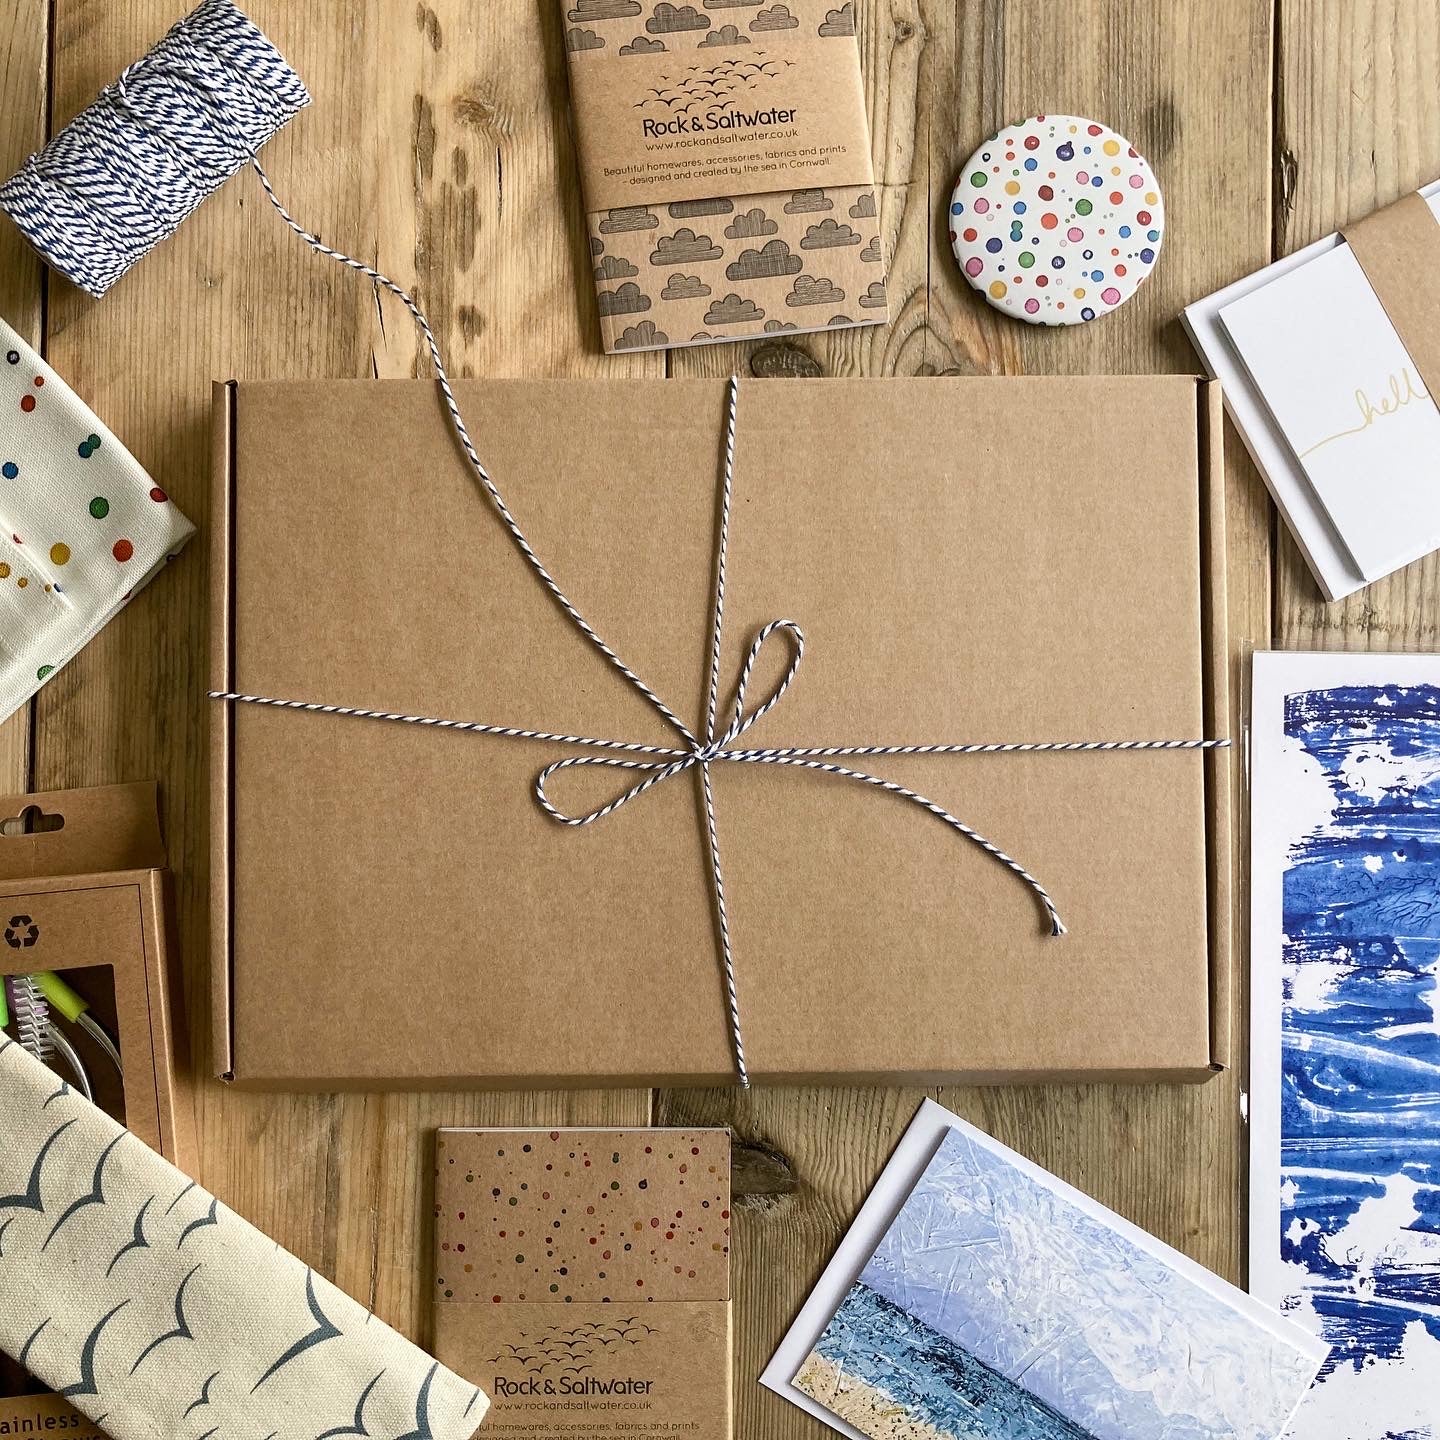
(82, 526)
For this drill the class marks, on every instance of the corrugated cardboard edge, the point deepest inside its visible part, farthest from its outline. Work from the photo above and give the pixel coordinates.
(174, 1072)
(1219, 764)
(221, 720)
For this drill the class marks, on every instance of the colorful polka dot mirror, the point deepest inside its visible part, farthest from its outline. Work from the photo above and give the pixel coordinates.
(82, 526)
(1057, 220)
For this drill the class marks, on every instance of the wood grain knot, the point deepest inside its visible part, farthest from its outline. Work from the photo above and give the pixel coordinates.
(781, 360)
(479, 112)
(760, 1175)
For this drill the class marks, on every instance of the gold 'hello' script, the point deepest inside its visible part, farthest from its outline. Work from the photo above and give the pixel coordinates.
(1402, 389)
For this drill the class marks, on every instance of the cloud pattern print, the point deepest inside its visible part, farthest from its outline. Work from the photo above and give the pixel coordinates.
(160, 1314)
(82, 526)
(701, 271)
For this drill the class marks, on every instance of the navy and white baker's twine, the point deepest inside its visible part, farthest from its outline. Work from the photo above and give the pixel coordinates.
(180, 121)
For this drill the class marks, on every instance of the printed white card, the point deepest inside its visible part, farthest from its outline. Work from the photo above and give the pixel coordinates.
(1345, 1042)
(1309, 518)
(1351, 404)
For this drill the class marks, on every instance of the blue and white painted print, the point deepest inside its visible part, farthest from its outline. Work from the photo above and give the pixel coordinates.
(998, 1307)
(1359, 1113)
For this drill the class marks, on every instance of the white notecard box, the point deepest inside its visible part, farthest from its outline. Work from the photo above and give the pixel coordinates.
(1332, 409)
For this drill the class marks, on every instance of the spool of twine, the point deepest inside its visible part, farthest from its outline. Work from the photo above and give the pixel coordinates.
(133, 166)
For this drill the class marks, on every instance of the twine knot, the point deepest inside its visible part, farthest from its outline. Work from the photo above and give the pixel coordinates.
(697, 752)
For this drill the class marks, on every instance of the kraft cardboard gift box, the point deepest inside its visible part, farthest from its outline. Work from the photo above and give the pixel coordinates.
(84, 892)
(993, 559)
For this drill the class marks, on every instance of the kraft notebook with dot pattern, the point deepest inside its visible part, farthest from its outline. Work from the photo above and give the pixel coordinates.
(82, 526)
(584, 1274)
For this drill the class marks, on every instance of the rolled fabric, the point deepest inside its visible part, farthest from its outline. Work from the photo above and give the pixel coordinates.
(140, 1299)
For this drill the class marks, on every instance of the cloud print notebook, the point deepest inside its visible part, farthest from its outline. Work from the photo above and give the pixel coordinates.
(990, 1301)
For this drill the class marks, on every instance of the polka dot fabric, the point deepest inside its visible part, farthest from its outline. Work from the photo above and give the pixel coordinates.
(1057, 220)
(82, 526)
(584, 1216)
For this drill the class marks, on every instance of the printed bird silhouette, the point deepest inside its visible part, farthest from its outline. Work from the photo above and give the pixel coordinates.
(95, 1195)
(137, 1240)
(357, 1426)
(210, 1217)
(323, 1331)
(30, 1197)
(204, 1397)
(181, 1329)
(422, 1430)
(86, 1383)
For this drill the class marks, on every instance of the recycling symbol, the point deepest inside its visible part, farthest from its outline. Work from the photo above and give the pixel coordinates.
(21, 933)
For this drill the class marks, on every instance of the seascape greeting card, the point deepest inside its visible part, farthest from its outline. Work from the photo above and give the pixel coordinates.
(1350, 401)
(984, 1299)
(1345, 1009)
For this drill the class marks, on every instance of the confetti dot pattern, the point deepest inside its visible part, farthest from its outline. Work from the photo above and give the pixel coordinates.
(586, 1216)
(86, 524)
(1057, 220)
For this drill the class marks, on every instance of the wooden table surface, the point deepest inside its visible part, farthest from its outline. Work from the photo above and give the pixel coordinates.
(438, 148)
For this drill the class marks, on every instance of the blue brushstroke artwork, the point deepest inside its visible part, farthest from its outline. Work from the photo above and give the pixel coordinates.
(996, 1307)
(1360, 1057)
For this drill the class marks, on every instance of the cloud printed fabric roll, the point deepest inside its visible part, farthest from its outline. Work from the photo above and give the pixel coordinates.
(82, 526)
(149, 1306)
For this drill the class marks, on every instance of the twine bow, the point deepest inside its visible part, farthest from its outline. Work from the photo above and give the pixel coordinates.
(661, 763)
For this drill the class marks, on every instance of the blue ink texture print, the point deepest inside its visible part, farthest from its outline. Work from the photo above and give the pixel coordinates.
(1360, 1057)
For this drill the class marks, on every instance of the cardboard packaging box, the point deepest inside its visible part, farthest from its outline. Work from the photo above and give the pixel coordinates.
(584, 1275)
(83, 891)
(725, 155)
(996, 560)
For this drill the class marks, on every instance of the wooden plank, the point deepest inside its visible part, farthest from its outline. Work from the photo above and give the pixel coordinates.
(1359, 124)
(941, 77)
(1169, 1158)
(24, 48)
(425, 152)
